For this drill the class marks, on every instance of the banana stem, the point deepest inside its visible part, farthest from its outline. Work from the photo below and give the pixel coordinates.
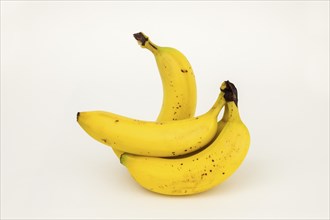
(144, 42)
(218, 105)
(227, 95)
(226, 113)
(230, 91)
(231, 97)
(231, 112)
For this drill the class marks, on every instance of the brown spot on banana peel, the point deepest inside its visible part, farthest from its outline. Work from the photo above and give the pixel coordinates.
(104, 140)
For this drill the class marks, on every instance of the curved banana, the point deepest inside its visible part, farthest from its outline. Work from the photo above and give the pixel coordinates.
(199, 171)
(179, 85)
(179, 88)
(162, 139)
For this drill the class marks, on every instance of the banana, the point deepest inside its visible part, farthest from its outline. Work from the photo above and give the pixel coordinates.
(179, 85)
(201, 170)
(159, 139)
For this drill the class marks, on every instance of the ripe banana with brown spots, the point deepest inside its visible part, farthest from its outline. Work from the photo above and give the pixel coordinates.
(178, 80)
(201, 170)
(158, 139)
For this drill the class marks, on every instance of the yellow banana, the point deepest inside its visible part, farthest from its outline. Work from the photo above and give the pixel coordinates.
(198, 171)
(179, 85)
(162, 139)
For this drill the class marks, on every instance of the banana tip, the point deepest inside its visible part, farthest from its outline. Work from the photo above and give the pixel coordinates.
(141, 38)
(78, 113)
(230, 91)
(122, 158)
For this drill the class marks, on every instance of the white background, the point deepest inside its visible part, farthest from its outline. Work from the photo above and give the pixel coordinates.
(58, 58)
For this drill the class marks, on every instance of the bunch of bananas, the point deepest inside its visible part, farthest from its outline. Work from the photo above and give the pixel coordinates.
(179, 153)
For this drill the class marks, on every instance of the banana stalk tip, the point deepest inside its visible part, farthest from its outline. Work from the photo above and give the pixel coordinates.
(122, 158)
(141, 38)
(230, 91)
